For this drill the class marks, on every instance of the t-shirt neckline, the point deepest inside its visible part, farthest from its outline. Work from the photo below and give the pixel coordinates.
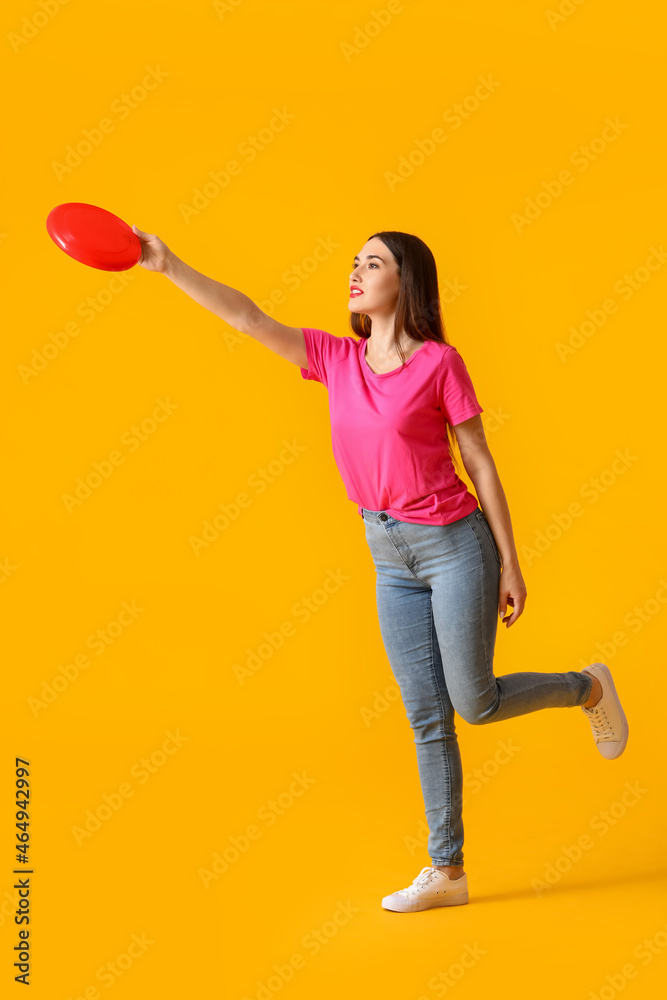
(367, 367)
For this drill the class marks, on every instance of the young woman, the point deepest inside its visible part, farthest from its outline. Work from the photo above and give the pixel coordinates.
(398, 391)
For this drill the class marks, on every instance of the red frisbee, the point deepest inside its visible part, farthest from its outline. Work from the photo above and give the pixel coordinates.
(94, 236)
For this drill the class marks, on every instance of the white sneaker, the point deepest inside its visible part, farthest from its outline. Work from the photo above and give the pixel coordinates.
(430, 888)
(607, 718)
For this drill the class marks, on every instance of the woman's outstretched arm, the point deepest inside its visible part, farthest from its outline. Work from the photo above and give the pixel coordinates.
(231, 305)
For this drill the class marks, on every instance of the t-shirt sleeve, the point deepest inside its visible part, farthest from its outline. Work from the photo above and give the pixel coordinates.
(455, 389)
(322, 350)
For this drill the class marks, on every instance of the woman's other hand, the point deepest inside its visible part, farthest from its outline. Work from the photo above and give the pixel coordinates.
(512, 591)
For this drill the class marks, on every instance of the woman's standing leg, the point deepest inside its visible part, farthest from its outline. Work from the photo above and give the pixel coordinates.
(408, 632)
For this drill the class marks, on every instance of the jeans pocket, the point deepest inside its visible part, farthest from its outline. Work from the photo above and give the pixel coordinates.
(481, 518)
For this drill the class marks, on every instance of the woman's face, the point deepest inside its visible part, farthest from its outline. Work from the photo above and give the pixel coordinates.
(376, 277)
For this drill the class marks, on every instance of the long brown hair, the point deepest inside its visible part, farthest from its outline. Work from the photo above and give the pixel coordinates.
(418, 310)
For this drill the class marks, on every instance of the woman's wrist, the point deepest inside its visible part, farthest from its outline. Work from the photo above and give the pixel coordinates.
(512, 562)
(172, 264)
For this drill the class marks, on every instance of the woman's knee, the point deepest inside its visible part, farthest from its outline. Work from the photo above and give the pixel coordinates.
(477, 712)
(430, 723)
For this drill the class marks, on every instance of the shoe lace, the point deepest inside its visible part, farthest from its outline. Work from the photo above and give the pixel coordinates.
(602, 727)
(425, 876)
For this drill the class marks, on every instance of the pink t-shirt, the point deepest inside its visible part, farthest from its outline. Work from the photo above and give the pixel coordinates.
(388, 431)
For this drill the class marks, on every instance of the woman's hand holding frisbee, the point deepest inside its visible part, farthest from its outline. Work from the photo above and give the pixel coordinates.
(155, 255)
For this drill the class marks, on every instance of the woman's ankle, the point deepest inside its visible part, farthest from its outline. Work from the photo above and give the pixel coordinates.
(453, 871)
(595, 695)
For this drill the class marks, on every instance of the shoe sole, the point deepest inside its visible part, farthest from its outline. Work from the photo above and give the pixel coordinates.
(625, 728)
(427, 904)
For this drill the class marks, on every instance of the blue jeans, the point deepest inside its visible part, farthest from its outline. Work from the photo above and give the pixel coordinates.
(437, 602)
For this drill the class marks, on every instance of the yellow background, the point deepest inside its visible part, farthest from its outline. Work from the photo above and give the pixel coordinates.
(365, 85)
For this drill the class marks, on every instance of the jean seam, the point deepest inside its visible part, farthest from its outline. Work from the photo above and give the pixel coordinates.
(445, 754)
(398, 553)
(487, 528)
(418, 578)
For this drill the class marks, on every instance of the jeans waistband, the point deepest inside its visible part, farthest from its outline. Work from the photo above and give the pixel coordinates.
(382, 517)
(376, 516)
